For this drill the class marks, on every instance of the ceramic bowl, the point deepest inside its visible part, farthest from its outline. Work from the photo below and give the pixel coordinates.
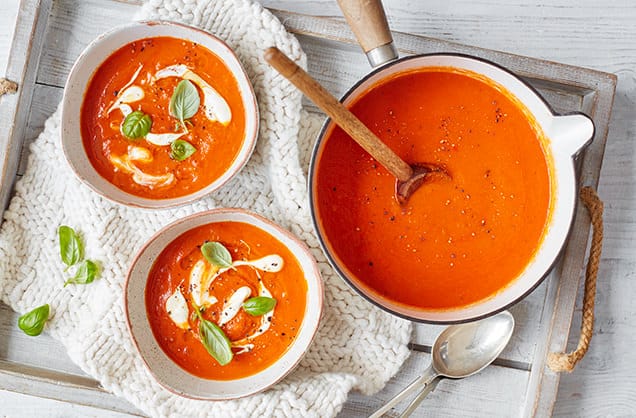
(81, 74)
(168, 373)
(566, 136)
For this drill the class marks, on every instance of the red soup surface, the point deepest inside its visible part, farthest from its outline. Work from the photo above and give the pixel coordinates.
(154, 163)
(456, 241)
(262, 265)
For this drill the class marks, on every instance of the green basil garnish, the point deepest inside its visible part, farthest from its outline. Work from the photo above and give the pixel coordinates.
(259, 305)
(33, 322)
(70, 246)
(217, 254)
(184, 102)
(136, 125)
(85, 274)
(214, 340)
(180, 150)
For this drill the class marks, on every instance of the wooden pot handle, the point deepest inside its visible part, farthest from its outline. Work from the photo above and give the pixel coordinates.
(339, 113)
(368, 22)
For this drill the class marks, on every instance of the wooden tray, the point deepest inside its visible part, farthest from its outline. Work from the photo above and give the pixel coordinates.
(49, 36)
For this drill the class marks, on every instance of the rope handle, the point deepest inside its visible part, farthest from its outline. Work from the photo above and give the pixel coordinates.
(560, 362)
(7, 87)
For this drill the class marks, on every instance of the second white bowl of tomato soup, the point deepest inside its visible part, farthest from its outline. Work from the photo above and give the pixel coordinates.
(158, 114)
(222, 304)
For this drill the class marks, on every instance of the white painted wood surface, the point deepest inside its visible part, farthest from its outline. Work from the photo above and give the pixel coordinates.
(586, 33)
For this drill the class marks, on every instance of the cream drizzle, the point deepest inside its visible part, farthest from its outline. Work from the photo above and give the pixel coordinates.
(202, 275)
(215, 106)
(125, 163)
(131, 94)
(177, 309)
(233, 304)
(200, 280)
(266, 321)
(118, 100)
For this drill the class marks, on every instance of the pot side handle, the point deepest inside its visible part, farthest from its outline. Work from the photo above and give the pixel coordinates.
(369, 24)
(571, 133)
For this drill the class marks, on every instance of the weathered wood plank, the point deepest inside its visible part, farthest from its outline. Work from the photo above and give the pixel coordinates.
(21, 68)
(21, 405)
(8, 14)
(495, 392)
(603, 383)
(73, 24)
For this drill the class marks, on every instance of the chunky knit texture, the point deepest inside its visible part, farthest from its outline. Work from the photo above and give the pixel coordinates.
(357, 346)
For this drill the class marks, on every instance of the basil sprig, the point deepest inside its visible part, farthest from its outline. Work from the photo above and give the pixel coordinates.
(259, 305)
(72, 252)
(85, 274)
(184, 102)
(33, 322)
(214, 340)
(136, 125)
(217, 254)
(180, 150)
(70, 246)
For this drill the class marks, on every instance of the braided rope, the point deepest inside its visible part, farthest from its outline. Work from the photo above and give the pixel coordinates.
(560, 362)
(7, 87)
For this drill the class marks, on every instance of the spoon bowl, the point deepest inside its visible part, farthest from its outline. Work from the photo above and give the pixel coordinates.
(460, 351)
(463, 350)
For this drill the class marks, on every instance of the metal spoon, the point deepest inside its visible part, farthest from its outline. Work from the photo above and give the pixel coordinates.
(409, 176)
(459, 351)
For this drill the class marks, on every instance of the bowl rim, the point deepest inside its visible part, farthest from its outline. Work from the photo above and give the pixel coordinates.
(382, 301)
(196, 217)
(135, 201)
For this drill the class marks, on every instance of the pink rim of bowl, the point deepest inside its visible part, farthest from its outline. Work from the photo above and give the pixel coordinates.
(169, 374)
(81, 74)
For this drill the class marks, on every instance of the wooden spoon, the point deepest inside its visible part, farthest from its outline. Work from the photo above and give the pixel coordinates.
(409, 177)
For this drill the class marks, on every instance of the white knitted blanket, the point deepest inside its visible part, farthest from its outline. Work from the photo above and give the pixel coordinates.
(357, 346)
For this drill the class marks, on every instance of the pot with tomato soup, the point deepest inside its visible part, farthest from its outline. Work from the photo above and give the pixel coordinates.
(229, 304)
(466, 245)
(167, 116)
(461, 247)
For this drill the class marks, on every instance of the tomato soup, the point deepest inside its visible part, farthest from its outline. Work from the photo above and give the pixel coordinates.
(457, 240)
(162, 118)
(183, 279)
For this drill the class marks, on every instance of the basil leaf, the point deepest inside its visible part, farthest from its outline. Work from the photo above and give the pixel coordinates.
(215, 341)
(180, 150)
(259, 305)
(70, 245)
(85, 274)
(33, 322)
(185, 101)
(136, 125)
(217, 254)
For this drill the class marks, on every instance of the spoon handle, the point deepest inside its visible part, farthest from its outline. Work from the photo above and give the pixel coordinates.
(421, 382)
(339, 113)
(419, 398)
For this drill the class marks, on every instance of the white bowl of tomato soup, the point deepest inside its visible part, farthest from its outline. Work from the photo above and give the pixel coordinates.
(463, 246)
(222, 304)
(158, 114)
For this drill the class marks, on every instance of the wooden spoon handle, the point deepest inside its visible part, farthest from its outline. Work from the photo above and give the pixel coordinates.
(368, 22)
(339, 113)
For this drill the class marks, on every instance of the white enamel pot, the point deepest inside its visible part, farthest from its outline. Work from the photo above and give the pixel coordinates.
(565, 135)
